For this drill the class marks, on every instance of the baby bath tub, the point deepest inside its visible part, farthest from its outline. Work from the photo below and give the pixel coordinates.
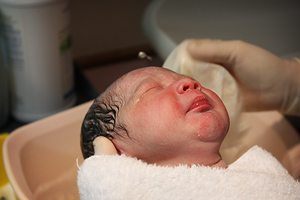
(40, 158)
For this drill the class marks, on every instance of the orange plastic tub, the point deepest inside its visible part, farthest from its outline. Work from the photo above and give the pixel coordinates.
(40, 158)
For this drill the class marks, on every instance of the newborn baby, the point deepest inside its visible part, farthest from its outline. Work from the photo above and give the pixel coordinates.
(159, 116)
(168, 130)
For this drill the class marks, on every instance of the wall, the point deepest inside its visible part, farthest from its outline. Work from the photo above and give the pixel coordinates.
(101, 26)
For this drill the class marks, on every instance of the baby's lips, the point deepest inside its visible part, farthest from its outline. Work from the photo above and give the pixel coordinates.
(200, 104)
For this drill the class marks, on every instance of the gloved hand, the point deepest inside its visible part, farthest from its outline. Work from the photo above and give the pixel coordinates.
(104, 146)
(266, 81)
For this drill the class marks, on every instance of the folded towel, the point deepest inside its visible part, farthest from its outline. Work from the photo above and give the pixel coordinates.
(256, 175)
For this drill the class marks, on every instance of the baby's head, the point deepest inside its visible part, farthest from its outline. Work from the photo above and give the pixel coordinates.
(160, 117)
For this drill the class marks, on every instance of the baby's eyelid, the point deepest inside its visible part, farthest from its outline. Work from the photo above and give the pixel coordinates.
(151, 88)
(148, 89)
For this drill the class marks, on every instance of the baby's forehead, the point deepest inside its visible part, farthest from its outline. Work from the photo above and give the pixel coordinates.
(139, 75)
(128, 83)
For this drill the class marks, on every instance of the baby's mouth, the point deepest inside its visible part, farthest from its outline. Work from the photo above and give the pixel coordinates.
(200, 104)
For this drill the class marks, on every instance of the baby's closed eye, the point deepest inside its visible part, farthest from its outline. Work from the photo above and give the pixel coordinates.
(151, 88)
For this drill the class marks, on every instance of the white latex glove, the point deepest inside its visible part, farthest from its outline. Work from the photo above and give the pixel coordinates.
(104, 146)
(292, 160)
(266, 81)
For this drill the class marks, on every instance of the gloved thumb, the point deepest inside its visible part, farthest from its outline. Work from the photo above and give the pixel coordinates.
(103, 146)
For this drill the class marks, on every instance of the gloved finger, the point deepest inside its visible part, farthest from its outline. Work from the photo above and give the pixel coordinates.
(103, 146)
(215, 51)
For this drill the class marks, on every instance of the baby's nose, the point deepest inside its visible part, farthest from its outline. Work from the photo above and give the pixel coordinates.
(188, 84)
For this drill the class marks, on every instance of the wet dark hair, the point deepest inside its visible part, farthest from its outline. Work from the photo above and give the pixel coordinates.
(100, 120)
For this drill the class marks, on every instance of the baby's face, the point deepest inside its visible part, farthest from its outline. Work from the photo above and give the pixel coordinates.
(171, 118)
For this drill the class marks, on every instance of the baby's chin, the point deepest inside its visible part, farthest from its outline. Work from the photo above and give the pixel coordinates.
(211, 129)
(218, 134)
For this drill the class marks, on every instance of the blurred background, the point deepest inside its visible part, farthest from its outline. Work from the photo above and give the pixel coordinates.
(100, 27)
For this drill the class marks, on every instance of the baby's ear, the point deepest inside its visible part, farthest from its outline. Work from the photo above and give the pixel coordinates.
(103, 146)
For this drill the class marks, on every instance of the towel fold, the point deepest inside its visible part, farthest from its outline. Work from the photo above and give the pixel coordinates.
(256, 175)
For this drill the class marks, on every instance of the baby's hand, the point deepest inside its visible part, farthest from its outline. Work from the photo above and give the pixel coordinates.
(103, 146)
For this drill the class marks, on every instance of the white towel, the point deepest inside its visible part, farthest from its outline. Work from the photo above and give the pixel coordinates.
(256, 175)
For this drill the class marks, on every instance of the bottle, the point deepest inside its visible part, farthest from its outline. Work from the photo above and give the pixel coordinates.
(37, 34)
(4, 95)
